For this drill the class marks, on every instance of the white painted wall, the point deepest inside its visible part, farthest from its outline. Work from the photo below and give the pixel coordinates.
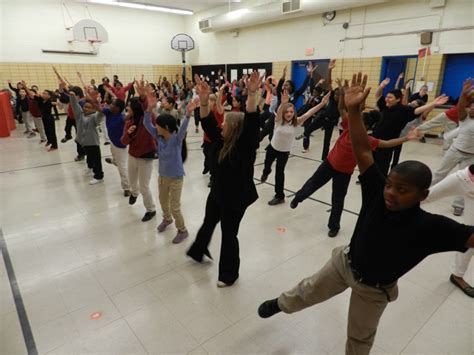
(135, 36)
(287, 40)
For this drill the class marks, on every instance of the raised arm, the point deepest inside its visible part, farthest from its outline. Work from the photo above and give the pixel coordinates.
(285, 98)
(411, 136)
(466, 97)
(399, 79)
(310, 68)
(219, 106)
(381, 88)
(315, 109)
(354, 99)
(252, 83)
(331, 66)
(185, 121)
(440, 100)
(76, 108)
(12, 88)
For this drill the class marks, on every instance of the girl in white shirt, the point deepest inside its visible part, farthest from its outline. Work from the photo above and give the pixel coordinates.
(459, 183)
(284, 134)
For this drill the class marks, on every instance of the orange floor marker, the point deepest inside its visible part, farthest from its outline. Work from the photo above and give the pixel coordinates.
(281, 230)
(96, 315)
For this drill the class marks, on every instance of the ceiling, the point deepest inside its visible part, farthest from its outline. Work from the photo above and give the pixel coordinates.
(194, 5)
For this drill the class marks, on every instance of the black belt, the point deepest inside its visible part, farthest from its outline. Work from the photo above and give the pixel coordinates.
(359, 278)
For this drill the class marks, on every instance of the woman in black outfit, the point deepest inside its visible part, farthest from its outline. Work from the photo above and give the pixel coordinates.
(232, 158)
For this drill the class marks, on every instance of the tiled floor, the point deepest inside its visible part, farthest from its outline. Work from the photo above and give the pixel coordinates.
(79, 250)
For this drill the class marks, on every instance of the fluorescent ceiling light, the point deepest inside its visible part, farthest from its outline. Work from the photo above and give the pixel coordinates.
(132, 5)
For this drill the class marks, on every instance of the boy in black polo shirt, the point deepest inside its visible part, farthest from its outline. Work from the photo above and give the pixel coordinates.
(392, 235)
(395, 117)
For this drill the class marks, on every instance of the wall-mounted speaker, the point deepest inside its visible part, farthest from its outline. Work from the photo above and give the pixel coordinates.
(426, 38)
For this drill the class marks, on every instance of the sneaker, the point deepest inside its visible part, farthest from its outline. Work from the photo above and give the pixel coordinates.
(304, 151)
(126, 193)
(332, 233)
(263, 178)
(42, 141)
(148, 216)
(36, 130)
(95, 181)
(164, 223)
(132, 199)
(180, 236)
(294, 203)
(87, 171)
(107, 143)
(31, 135)
(64, 140)
(47, 144)
(269, 308)
(79, 158)
(50, 149)
(205, 171)
(458, 211)
(196, 130)
(26, 132)
(276, 201)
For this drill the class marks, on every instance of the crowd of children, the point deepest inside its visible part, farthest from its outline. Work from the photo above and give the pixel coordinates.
(143, 121)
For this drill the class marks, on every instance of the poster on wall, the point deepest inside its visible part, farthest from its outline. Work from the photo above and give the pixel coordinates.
(233, 75)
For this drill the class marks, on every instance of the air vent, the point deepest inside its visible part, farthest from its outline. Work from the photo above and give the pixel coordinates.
(290, 6)
(205, 25)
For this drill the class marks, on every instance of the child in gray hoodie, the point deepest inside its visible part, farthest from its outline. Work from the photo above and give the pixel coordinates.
(88, 118)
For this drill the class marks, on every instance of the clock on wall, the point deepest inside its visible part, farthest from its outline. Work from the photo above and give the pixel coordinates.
(329, 15)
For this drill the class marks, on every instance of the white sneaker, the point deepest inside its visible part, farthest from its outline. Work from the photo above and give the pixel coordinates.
(96, 181)
(221, 284)
(87, 171)
(305, 151)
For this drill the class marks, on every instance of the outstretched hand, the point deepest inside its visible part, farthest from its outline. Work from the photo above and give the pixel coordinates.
(151, 99)
(467, 89)
(325, 98)
(332, 64)
(253, 82)
(202, 89)
(441, 100)
(385, 82)
(414, 134)
(141, 87)
(192, 105)
(356, 94)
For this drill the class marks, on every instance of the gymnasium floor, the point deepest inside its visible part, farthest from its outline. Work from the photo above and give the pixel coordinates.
(94, 279)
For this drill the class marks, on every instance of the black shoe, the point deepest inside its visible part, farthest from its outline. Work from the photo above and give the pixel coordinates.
(269, 308)
(294, 203)
(263, 178)
(332, 233)
(79, 158)
(422, 140)
(65, 139)
(276, 201)
(205, 171)
(109, 160)
(209, 184)
(148, 216)
(107, 143)
(132, 199)
(126, 193)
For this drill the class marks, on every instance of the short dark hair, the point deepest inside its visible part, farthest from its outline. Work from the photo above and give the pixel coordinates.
(415, 172)
(78, 91)
(170, 100)
(371, 118)
(120, 104)
(396, 92)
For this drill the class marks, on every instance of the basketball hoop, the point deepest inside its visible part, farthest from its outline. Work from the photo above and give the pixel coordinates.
(182, 43)
(89, 31)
